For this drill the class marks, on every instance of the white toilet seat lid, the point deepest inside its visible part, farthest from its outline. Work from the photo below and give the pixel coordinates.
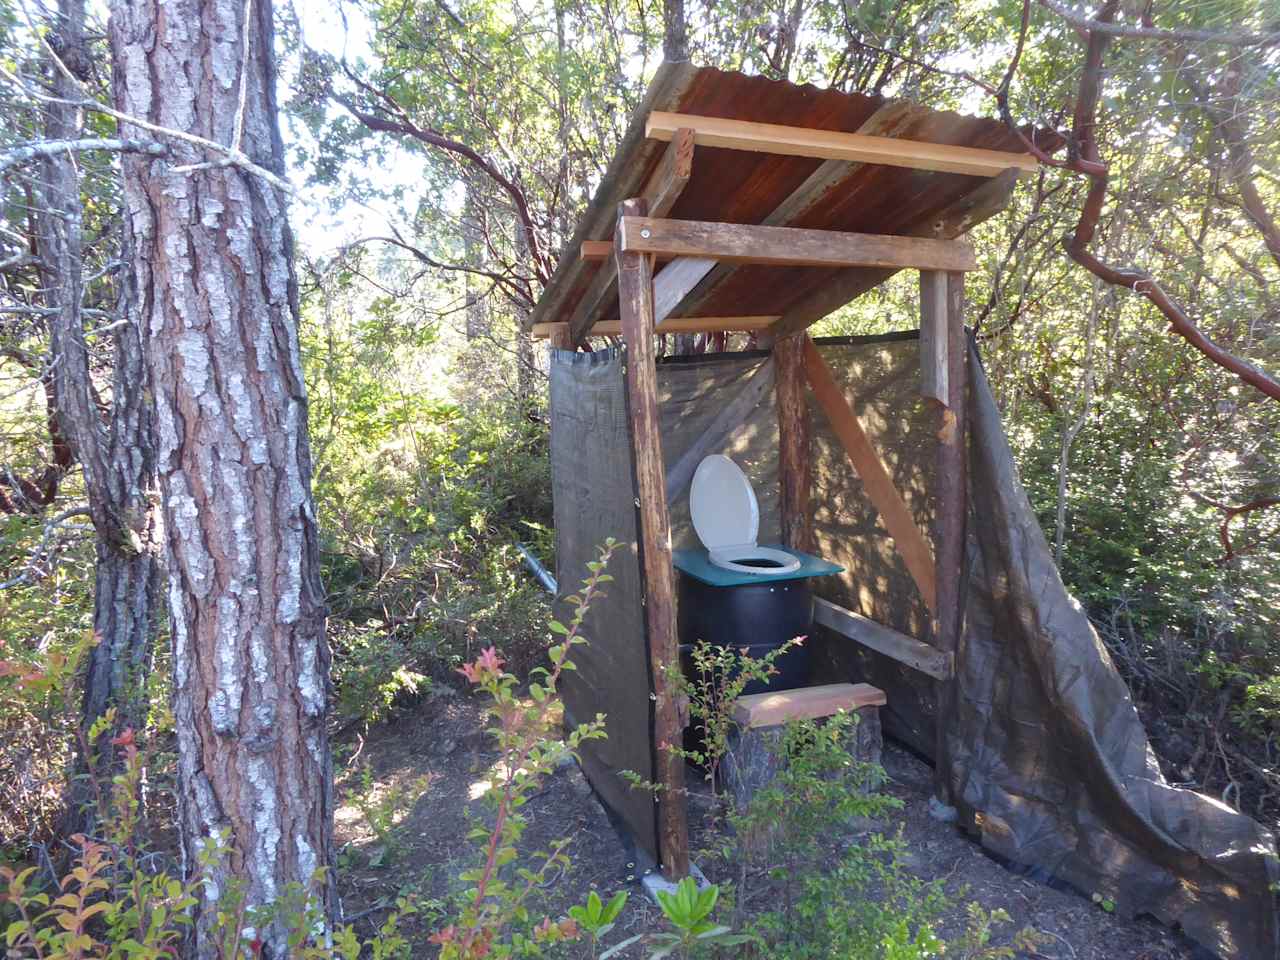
(722, 505)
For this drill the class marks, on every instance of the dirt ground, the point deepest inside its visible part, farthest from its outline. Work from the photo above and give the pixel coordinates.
(443, 738)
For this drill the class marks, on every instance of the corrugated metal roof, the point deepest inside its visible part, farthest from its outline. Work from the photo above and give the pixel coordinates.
(744, 187)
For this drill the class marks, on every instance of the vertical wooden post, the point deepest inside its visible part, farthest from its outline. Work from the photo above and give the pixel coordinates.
(635, 301)
(793, 442)
(934, 325)
(559, 336)
(953, 503)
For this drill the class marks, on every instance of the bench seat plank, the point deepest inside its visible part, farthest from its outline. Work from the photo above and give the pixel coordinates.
(806, 703)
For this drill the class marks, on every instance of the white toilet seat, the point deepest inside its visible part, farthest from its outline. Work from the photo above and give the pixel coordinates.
(731, 559)
(726, 517)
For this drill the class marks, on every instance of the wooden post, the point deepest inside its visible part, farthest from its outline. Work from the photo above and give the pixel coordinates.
(559, 336)
(933, 335)
(953, 501)
(793, 443)
(635, 302)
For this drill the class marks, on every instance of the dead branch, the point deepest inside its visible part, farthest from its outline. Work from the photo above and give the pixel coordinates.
(403, 124)
(1107, 27)
(49, 148)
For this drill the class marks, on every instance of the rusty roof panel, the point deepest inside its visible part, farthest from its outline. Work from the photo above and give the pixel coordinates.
(739, 186)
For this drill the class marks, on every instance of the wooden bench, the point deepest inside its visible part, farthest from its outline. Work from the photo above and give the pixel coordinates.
(752, 758)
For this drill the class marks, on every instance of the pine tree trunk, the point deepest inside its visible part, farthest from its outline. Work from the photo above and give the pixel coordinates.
(116, 456)
(125, 506)
(218, 300)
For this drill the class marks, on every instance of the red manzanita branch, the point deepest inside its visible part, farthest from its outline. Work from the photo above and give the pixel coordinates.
(1224, 531)
(1084, 157)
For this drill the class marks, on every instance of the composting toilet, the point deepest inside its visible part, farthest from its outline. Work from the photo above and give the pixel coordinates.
(726, 517)
(735, 592)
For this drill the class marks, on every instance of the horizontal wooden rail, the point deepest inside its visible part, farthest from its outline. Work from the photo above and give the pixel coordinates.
(613, 328)
(916, 654)
(790, 246)
(836, 145)
(596, 251)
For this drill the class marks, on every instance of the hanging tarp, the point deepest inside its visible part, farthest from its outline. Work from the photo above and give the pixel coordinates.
(594, 491)
(1050, 764)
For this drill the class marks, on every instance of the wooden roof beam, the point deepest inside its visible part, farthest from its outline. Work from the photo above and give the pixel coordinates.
(790, 246)
(661, 191)
(595, 251)
(687, 284)
(851, 283)
(837, 145)
(613, 328)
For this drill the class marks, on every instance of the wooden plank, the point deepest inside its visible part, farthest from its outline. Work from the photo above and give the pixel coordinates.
(907, 538)
(661, 191)
(806, 703)
(613, 328)
(953, 499)
(914, 653)
(635, 303)
(558, 334)
(816, 191)
(933, 335)
(794, 477)
(720, 429)
(671, 176)
(596, 251)
(673, 283)
(837, 145)
(848, 284)
(790, 246)
(624, 178)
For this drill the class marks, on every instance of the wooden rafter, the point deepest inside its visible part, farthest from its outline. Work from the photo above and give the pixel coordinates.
(837, 145)
(876, 482)
(850, 283)
(789, 246)
(597, 251)
(661, 191)
(687, 283)
(613, 328)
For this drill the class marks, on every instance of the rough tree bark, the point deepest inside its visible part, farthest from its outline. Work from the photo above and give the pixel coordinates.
(218, 301)
(116, 453)
(675, 36)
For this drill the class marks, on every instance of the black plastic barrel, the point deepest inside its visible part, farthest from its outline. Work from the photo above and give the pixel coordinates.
(759, 616)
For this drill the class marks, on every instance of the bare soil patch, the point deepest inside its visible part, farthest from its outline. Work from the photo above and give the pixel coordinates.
(444, 739)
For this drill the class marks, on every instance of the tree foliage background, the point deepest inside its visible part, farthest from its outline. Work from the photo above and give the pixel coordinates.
(444, 150)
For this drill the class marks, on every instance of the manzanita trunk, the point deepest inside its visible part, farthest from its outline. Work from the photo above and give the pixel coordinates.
(218, 300)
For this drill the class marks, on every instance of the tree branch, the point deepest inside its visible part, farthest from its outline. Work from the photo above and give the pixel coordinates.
(1108, 28)
(1085, 158)
(1224, 531)
(406, 126)
(230, 156)
(36, 151)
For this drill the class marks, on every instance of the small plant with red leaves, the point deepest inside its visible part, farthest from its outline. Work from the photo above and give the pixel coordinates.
(495, 920)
